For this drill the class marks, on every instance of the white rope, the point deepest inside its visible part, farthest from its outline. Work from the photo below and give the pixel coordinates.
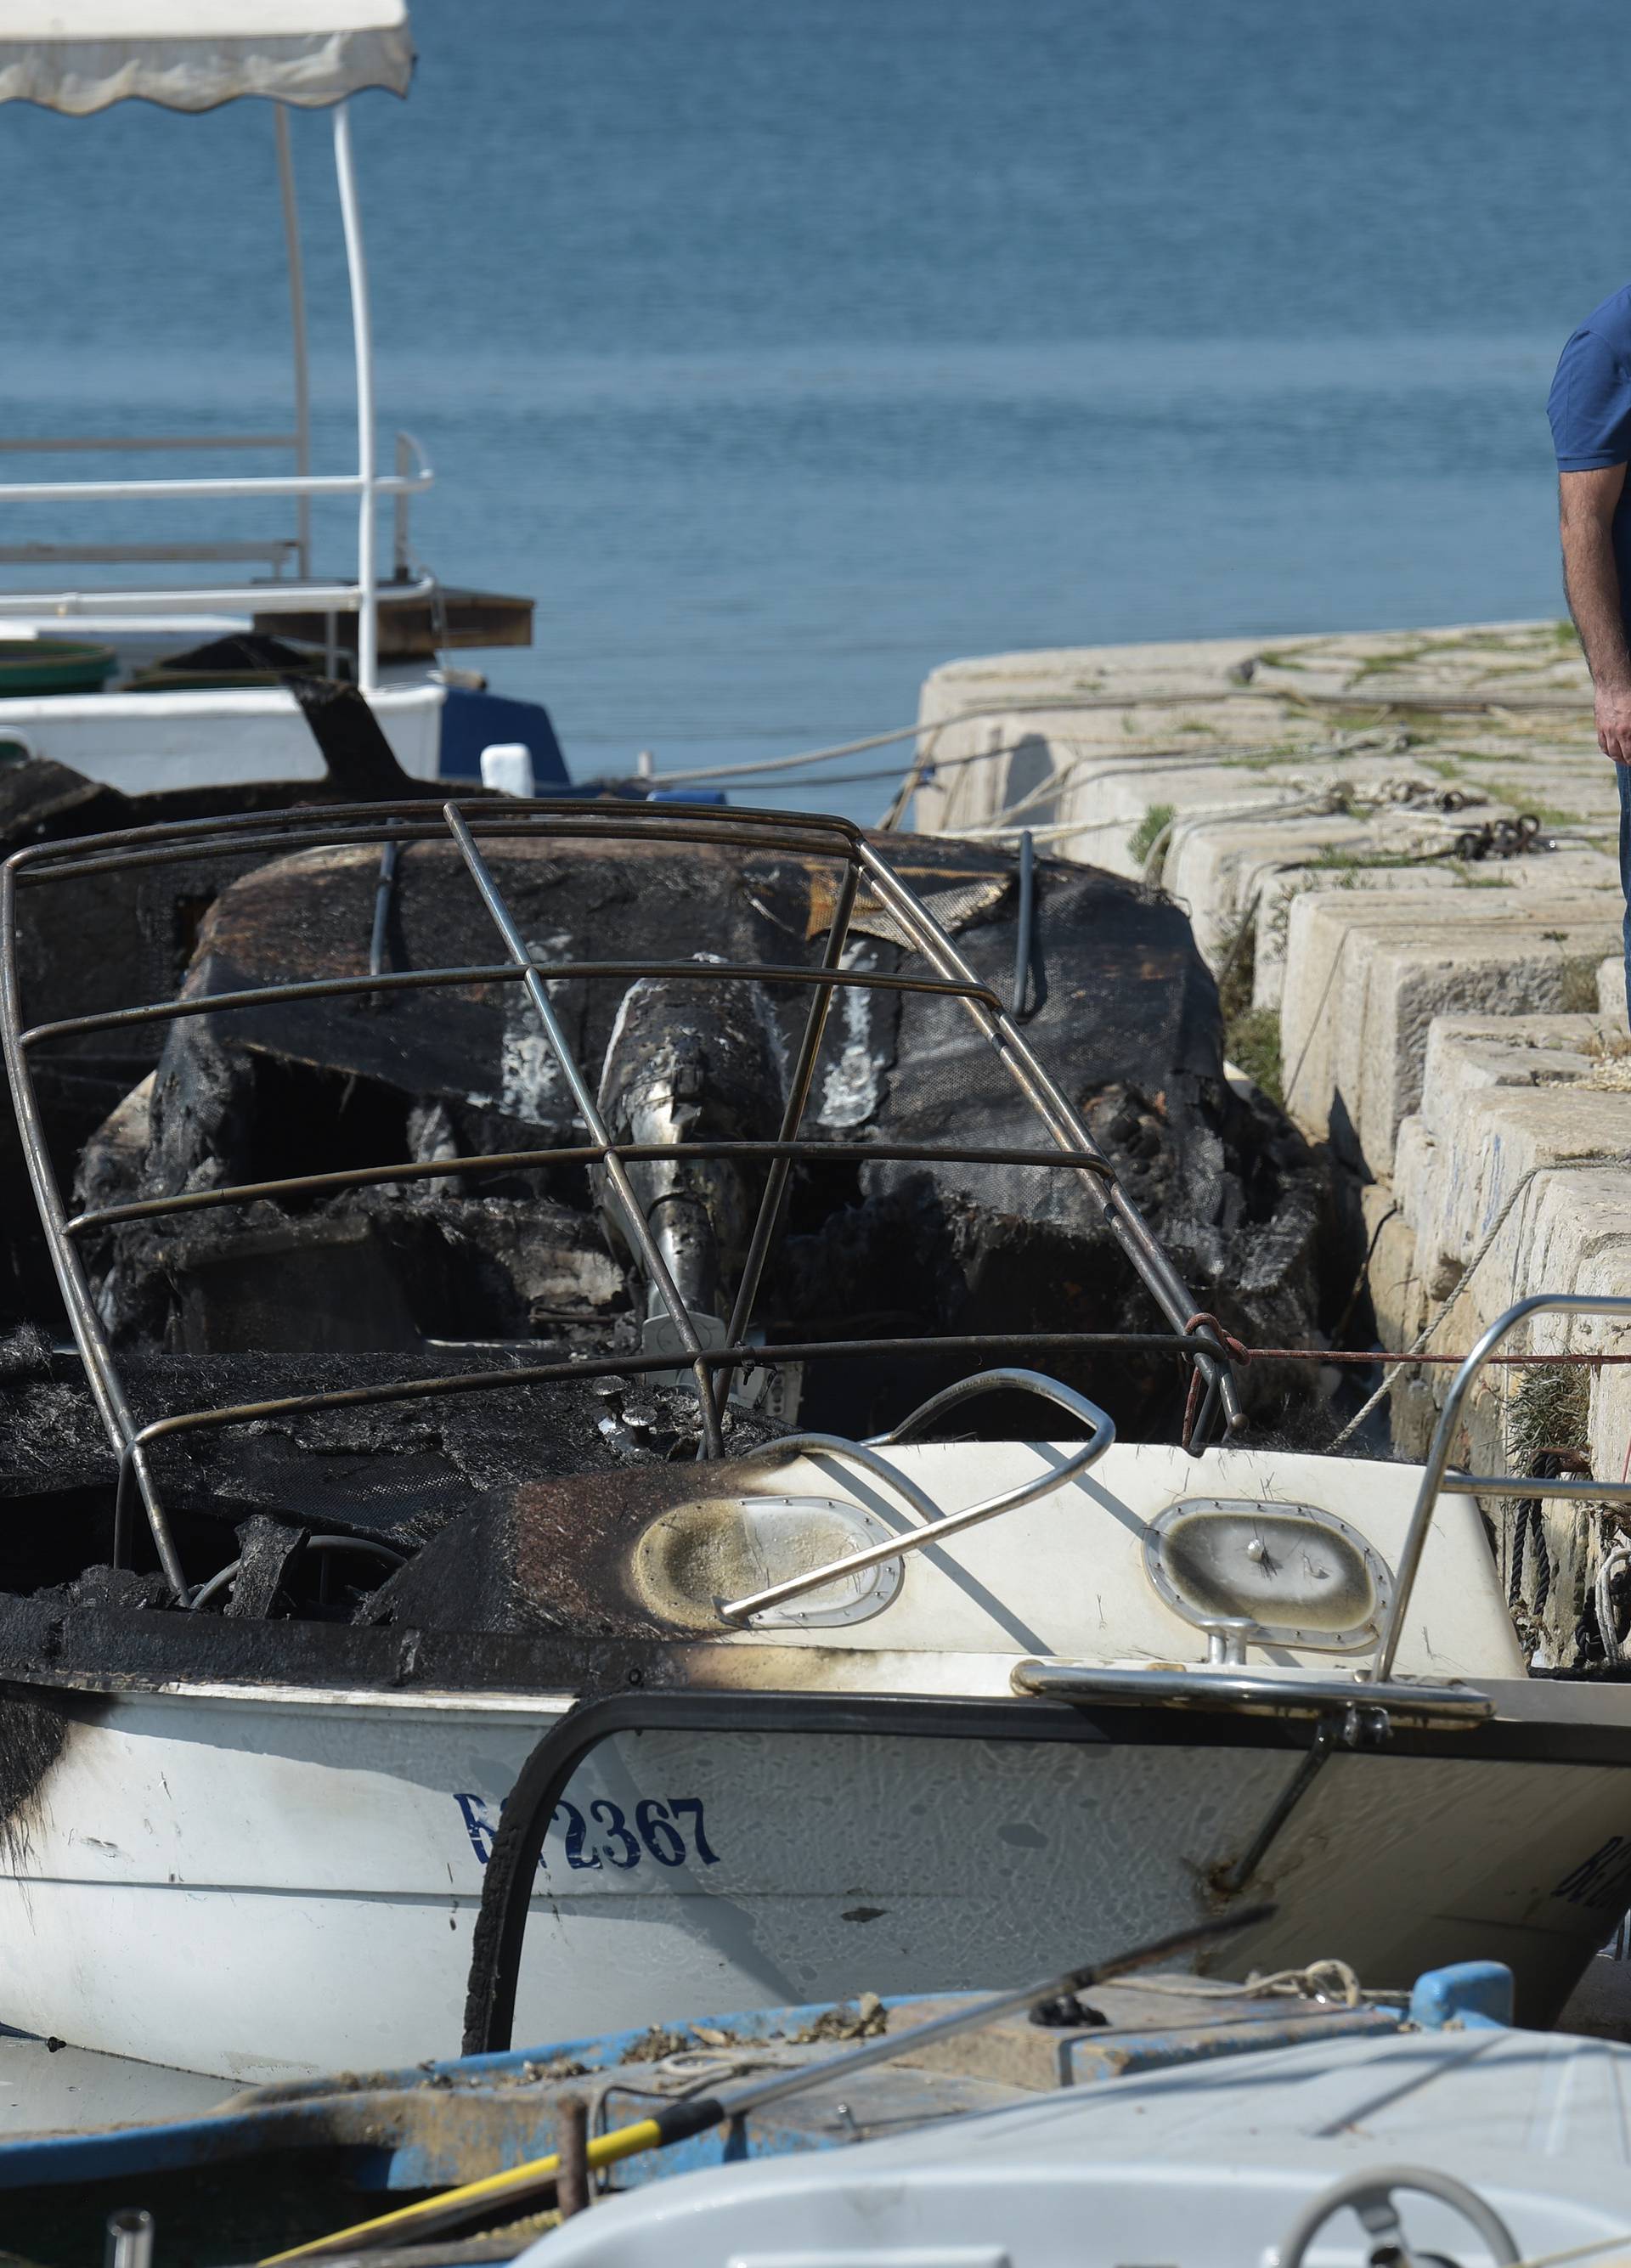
(1315, 1982)
(1556, 1165)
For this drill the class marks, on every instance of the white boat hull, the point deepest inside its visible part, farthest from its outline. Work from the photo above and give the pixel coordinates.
(142, 743)
(265, 1883)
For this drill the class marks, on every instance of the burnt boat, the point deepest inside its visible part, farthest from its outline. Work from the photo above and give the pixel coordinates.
(601, 1308)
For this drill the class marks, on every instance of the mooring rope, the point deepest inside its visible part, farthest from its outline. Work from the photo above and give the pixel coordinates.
(1414, 1352)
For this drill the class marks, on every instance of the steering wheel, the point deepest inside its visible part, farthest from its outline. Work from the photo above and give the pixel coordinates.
(1369, 2195)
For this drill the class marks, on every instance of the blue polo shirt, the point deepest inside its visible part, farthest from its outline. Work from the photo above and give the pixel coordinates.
(1589, 408)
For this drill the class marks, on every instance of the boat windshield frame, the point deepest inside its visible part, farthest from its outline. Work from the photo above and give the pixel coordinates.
(937, 967)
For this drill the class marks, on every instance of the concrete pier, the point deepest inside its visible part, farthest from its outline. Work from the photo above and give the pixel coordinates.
(1396, 852)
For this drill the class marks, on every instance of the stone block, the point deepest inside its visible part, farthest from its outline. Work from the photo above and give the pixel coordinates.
(1510, 1134)
(1611, 990)
(1367, 975)
(1465, 1055)
(1283, 888)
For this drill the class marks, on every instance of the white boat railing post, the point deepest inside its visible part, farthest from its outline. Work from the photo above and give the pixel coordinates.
(297, 325)
(362, 334)
(1435, 1479)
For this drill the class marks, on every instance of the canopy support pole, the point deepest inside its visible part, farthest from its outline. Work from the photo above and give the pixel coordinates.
(367, 579)
(297, 324)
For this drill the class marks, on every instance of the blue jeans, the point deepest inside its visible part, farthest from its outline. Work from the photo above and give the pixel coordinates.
(1622, 773)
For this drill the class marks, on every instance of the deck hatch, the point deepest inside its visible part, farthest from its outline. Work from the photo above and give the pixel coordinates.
(1299, 1574)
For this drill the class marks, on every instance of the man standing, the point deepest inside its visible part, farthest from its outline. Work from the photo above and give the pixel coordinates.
(1590, 412)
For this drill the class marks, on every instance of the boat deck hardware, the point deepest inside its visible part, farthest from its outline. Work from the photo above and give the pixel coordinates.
(1436, 1481)
(938, 967)
(130, 2238)
(1364, 1709)
(936, 1524)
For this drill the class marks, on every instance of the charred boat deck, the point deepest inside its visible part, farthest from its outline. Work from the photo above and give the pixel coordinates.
(693, 1044)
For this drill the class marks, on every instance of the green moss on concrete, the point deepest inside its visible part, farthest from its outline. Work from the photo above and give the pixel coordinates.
(1251, 1040)
(1141, 842)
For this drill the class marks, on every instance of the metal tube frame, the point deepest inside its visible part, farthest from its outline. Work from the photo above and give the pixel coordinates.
(1122, 1217)
(367, 484)
(1434, 1482)
(362, 341)
(768, 1217)
(261, 838)
(289, 202)
(937, 1525)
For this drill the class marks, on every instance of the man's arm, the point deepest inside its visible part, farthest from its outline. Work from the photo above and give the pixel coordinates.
(1587, 503)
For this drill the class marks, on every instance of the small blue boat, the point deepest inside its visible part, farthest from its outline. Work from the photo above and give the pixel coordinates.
(279, 2166)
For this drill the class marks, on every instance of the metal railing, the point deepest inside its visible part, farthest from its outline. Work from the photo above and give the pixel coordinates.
(1436, 1484)
(1069, 1145)
(936, 1523)
(1221, 1685)
(358, 596)
(413, 474)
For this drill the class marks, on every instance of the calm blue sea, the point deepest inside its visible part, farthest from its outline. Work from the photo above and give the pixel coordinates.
(784, 349)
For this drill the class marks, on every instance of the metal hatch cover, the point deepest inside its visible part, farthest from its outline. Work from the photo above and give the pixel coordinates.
(1301, 1576)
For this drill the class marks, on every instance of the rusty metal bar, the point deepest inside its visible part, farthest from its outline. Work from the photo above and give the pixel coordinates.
(588, 1110)
(574, 2188)
(408, 979)
(583, 1153)
(345, 825)
(89, 1336)
(768, 1218)
(1156, 1271)
(384, 890)
(508, 814)
(638, 1365)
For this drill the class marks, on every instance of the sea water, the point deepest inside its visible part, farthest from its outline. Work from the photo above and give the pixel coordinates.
(785, 350)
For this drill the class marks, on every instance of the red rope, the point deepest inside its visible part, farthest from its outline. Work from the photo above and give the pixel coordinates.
(1496, 1361)
(1239, 1351)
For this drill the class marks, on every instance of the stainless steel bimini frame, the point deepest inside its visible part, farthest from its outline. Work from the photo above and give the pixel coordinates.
(467, 825)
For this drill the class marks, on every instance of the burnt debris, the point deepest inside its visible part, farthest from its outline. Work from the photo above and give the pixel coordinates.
(523, 1254)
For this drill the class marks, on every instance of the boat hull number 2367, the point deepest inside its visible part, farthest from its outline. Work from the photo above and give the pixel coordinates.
(671, 1833)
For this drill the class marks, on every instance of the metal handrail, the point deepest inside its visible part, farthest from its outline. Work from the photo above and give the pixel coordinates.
(273, 549)
(937, 1525)
(1073, 1148)
(54, 444)
(277, 598)
(238, 485)
(1444, 1708)
(1432, 1480)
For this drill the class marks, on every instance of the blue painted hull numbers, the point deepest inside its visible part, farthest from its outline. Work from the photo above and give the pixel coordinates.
(670, 1833)
(1602, 1879)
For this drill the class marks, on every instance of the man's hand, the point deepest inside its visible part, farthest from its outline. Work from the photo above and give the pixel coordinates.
(1613, 721)
(1587, 504)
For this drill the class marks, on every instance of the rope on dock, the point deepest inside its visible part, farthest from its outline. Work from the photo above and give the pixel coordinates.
(1414, 1352)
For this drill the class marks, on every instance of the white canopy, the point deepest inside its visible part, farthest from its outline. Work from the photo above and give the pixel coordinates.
(79, 55)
